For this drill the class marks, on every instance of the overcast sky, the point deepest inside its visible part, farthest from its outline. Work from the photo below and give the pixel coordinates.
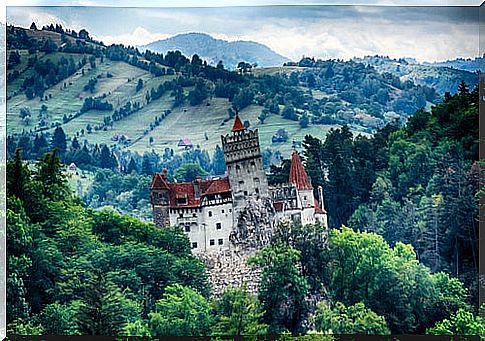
(425, 33)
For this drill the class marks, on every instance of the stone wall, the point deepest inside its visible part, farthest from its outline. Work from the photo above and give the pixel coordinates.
(228, 268)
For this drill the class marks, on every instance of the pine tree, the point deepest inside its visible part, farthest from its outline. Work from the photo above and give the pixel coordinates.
(218, 162)
(59, 140)
(146, 165)
(40, 145)
(107, 158)
(132, 166)
(50, 176)
(100, 312)
(82, 156)
(17, 176)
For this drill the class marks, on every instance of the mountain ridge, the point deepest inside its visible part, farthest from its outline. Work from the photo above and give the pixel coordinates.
(213, 49)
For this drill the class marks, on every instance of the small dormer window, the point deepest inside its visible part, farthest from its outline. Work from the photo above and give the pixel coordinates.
(182, 201)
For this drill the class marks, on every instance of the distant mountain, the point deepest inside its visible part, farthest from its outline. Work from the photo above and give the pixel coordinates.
(441, 77)
(212, 50)
(471, 65)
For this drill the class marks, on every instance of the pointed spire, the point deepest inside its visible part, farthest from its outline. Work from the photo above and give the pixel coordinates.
(238, 125)
(298, 176)
(160, 181)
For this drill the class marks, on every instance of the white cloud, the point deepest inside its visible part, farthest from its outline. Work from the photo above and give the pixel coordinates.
(347, 39)
(139, 36)
(26, 17)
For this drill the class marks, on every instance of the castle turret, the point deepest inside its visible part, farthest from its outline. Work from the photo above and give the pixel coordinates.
(244, 164)
(299, 178)
(159, 197)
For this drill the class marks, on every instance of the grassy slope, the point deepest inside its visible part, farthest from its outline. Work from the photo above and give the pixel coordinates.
(186, 121)
(195, 122)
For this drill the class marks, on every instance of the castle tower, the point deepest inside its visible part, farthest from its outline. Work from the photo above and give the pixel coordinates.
(159, 197)
(244, 164)
(299, 178)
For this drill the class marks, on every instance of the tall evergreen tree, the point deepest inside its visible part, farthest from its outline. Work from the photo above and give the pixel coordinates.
(17, 176)
(100, 312)
(59, 140)
(40, 145)
(107, 159)
(218, 162)
(132, 166)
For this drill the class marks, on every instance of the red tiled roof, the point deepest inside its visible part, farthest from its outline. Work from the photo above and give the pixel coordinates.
(186, 190)
(318, 209)
(238, 126)
(218, 186)
(298, 176)
(183, 190)
(158, 182)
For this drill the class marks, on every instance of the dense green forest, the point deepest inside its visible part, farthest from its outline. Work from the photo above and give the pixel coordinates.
(401, 253)
(75, 270)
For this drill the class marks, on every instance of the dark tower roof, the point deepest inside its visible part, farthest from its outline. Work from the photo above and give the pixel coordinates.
(238, 125)
(298, 176)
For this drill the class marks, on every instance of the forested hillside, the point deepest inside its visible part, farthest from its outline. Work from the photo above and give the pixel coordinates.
(443, 77)
(400, 255)
(135, 102)
(417, 184)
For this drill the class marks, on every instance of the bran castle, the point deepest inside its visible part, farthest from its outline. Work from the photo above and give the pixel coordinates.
(220, 214)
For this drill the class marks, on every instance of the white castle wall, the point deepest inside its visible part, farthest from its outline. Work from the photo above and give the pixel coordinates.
(201, 226)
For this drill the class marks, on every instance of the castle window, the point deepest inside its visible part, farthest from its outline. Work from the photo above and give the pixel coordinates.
(241, 182)
(212, 242)
(245, 192)
(194, 215)
(222, 211)
(210, 213)
(182, 201)
(238, 168)
(187, 228)
(220, 242)
(181, 215)
(230, 210)
(194, 245)
(253, 164)
(304, 197)
(256, 190)
(218, 226)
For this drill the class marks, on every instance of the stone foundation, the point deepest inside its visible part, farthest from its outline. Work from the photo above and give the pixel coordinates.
(253, 231)
(229, 269)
